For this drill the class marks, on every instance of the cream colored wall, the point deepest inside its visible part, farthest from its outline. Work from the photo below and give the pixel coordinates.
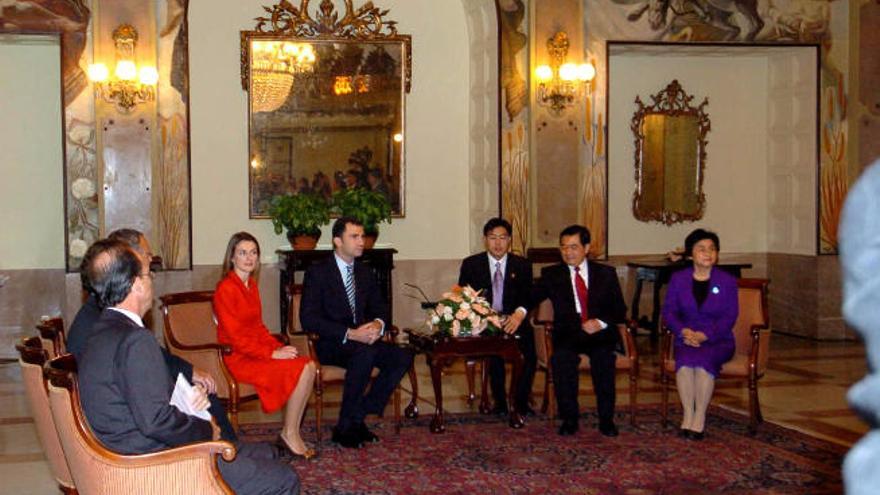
(31, 157)
(437, 139)
(736, 171)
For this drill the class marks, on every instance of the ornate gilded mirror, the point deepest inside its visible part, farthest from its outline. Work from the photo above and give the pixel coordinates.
(670, 157)
(325, 102)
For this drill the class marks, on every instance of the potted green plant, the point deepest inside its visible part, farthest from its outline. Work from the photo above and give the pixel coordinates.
(302, 216)
(369, 207)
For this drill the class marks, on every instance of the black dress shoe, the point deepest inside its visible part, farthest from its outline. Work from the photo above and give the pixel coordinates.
(347, 438)
(568, 428)
(526, 411)
(684, 433)
(696, 435)
(365, 434)
(499, 410)
(608, 429)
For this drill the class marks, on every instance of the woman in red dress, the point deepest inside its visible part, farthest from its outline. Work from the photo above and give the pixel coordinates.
(280, 374)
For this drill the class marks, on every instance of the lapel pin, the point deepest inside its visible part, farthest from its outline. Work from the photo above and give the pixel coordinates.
(715, 290)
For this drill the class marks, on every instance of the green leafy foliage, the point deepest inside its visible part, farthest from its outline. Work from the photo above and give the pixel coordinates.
(369, 207)
(300, 214)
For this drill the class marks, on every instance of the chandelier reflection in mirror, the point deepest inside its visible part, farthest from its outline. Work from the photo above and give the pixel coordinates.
(274, 65)
(561, 82)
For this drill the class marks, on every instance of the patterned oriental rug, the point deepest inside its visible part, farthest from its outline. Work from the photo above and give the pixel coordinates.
(481, 455)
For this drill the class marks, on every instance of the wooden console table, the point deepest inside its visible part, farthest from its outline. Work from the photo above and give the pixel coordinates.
(441, 352)
(658, 273)
(381, 261)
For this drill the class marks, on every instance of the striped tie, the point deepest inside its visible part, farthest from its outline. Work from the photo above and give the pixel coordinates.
(349, 288)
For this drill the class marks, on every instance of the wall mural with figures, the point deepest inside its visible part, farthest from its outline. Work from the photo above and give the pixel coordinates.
(72, 21)
(513, 22)
(735, 21)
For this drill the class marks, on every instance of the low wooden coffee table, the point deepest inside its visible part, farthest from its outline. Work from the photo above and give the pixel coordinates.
(442, 351)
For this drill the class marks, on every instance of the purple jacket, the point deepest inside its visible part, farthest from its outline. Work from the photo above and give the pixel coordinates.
(717, 315)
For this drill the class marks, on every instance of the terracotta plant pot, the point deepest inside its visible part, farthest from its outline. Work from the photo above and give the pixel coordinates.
(303, 242)
(370, 240)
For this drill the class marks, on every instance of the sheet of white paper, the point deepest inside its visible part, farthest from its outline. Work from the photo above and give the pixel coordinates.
(182, 398)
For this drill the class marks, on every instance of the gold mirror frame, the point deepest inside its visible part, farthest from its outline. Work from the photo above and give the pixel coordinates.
(674, 103)
(366, 24)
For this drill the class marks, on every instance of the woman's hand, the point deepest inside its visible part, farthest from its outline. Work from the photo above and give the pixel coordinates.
(690, 337)
(286, 352)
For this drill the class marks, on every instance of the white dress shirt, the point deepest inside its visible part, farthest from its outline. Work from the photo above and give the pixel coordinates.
(584, 274)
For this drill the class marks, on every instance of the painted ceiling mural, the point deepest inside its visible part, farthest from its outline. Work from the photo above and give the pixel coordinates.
(735, 21)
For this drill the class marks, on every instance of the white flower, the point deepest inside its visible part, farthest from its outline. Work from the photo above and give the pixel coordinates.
(447, 310)
(82, 188)
(78, 248)
(446, 316)
(464, 305)
(435, 319)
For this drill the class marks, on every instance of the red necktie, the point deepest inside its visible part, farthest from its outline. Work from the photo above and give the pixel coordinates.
(582, 292)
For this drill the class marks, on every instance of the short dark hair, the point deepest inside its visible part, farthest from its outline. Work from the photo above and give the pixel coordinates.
(341, 222)
(496, 222)
(698, 235)
(131, 237)
(111, 267)
(578, 230)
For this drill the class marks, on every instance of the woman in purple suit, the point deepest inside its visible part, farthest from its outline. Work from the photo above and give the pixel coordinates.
(700, 309)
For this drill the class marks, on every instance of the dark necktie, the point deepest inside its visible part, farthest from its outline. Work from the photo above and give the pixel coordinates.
(498, 289)
(349, 289)
(582, 292)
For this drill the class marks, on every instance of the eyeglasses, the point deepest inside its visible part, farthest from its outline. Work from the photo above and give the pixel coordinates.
(497, 237)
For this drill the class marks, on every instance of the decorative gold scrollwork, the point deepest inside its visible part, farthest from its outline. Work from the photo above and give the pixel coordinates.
(365, 23)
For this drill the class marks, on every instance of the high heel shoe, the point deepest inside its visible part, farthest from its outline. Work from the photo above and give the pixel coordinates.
(282, 444)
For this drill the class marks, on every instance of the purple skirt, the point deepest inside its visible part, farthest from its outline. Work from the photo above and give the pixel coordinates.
(709, 356)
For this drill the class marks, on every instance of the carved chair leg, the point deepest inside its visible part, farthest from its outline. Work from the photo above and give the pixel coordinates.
(319, 409)
(397, 409)
(754, 407)
(469, 367)
(412, 409)
(633, 385)
(664, 394)
(484, 386)
(233, 411)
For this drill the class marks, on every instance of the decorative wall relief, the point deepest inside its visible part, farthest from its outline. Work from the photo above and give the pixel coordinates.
(171, 176)
(776, 21)
(513, 25)
(70, 20)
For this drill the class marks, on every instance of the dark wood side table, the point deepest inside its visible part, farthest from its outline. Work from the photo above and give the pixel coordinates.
(441, 352)
(658, 273)
(381, 261)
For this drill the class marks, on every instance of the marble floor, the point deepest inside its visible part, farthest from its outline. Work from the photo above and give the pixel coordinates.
(804, 389)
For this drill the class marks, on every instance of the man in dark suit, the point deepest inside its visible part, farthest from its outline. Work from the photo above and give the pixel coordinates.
(341, 302)
(572, 286)
(125, 387)
(506, 282)
(83, 328)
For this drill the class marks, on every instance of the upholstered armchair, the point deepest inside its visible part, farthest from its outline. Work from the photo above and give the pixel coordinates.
(191, 333)
(52, 334)
(32, 357)
(191, 469)
(749, 363)
(627, 362)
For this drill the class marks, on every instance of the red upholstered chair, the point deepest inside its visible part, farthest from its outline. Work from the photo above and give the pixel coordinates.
(32, 357)
(191, 469)
(627, 362)
(191, 333)
(749, 363)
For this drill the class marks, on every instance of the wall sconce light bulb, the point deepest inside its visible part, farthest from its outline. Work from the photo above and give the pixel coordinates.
(568, 72)
(148, 76)
(543, 73)
(398, 137)
(586, 72)
(126, 70)
(98, 73)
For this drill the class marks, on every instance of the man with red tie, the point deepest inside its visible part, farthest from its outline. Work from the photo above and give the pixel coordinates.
(587, 307)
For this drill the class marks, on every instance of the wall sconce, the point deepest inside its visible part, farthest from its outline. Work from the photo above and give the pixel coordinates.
(129, 84)
(561, 82)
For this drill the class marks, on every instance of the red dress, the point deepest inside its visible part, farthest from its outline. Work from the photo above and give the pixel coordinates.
(240, 325)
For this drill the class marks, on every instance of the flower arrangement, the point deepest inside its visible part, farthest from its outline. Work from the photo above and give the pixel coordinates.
(463, 312)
